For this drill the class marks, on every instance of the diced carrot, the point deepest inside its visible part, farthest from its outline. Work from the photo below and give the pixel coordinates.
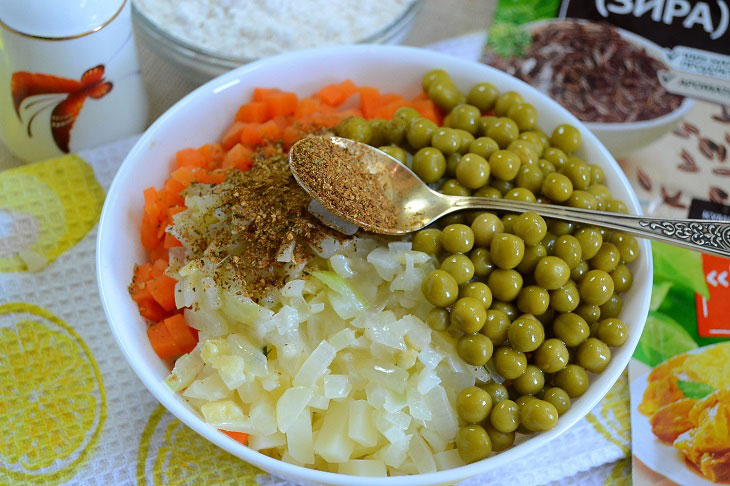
(369, 100)
(170, 241)
(143, 272)
(270, 130)
(216, 176)
(427, 109)
(306, 108)
(327, 120)
(388, 98)
(213, 154)
(183, 335)
(148, 233)
(239, 156)
(173, 185)
(260, 94)
(188, 175)
(160, 252)
(162, 289)
(150, 309)
(232, 135)
(251, 135)
(159, 266)
(189, 157)
(388, 110)
(169, 199)
(237, 436)
(152, 206)
(162, 341)
(281, 104)
(290, 135)
(282, 121)
(336, 94)
(254, 112)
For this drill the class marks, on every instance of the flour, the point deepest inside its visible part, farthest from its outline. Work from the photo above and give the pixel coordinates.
(254, 28)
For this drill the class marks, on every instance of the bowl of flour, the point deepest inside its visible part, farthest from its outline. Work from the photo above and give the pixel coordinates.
(205, 38)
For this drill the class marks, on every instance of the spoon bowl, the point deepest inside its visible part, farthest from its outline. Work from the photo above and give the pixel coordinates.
(394, 188)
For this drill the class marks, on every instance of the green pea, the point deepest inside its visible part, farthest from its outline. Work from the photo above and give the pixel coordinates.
(429, 164)
(452, 162)
(488, 192)
(468, 315)
(440, 288)
(520, 194)
(396, 152)
(484, 123)
(531, 178)
(596, 287)
(420, 132)
(465, 117)
(482, 261)
(473, 443)
(571, 329)
(538, 416)
(379, 128)
(612, 307)
(452, 187)
(524, 114)
(406, 114)
(593, 355)
(557, 187)
(479, 291)
(555, 156)
(578, 172)
(533, 300)
(530, 382)
(483, 146)
(551, 273)
(395, 131)
(552, 356)
(590, 241)
(612, 331)
(505, 284)
(566, 138)
(438, 319)
(473, 171)
(505, 165)
(506, 250)
(567, 248)
(473, 404)
(583, 200)
(427, 241)
(622, 278)
(590, 313)
(526, 335)
(533, 254)
(505, 100)
(445, 94)
(607, 258)
(531, 227)
(507, 307)
(457, 238)
(459, 266)
(566, 298)
(434, 75)
(483, 96)
(503, 131)
(573, 379)
(355, 128)
(446, 140)
(505, 416)
(474, 349)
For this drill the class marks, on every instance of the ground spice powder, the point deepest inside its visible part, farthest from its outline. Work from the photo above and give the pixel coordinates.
(344, 184)
(260, 228)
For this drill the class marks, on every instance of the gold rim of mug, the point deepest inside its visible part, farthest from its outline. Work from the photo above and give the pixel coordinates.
(68, 37)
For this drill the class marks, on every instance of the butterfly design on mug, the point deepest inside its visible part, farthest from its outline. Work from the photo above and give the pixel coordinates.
(24, 85)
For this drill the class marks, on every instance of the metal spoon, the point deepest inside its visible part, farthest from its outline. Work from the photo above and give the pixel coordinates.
(417, 205)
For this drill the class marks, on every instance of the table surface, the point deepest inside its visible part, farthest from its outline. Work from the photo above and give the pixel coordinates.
(437, 20)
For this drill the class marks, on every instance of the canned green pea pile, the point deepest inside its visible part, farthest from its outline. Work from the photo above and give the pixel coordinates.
(535, 301)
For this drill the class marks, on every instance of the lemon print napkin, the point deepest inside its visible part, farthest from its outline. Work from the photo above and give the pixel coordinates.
(73, 412)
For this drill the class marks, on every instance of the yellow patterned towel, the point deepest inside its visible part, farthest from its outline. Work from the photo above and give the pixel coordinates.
(71, 410)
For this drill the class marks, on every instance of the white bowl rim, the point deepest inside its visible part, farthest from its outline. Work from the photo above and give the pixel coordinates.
(171, 401)
(654, 50)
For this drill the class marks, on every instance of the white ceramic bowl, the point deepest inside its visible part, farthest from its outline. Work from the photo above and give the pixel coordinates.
(200, 118)
(622, 138)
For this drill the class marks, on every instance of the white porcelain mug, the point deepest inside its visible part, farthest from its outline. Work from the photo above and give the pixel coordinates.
(69, 76)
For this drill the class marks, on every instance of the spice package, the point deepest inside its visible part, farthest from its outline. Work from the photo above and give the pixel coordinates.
(618, 64)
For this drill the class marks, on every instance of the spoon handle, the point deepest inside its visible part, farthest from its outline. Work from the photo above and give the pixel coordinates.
(703, 235)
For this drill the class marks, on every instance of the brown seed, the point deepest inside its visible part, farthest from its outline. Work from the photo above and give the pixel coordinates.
(724, 117)
(687, 126)
(722, 153)
(672, 200)
(721, 171)
(644, 180)
(706, 148)
(717, 195)
(688, 162)
(681, 133)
